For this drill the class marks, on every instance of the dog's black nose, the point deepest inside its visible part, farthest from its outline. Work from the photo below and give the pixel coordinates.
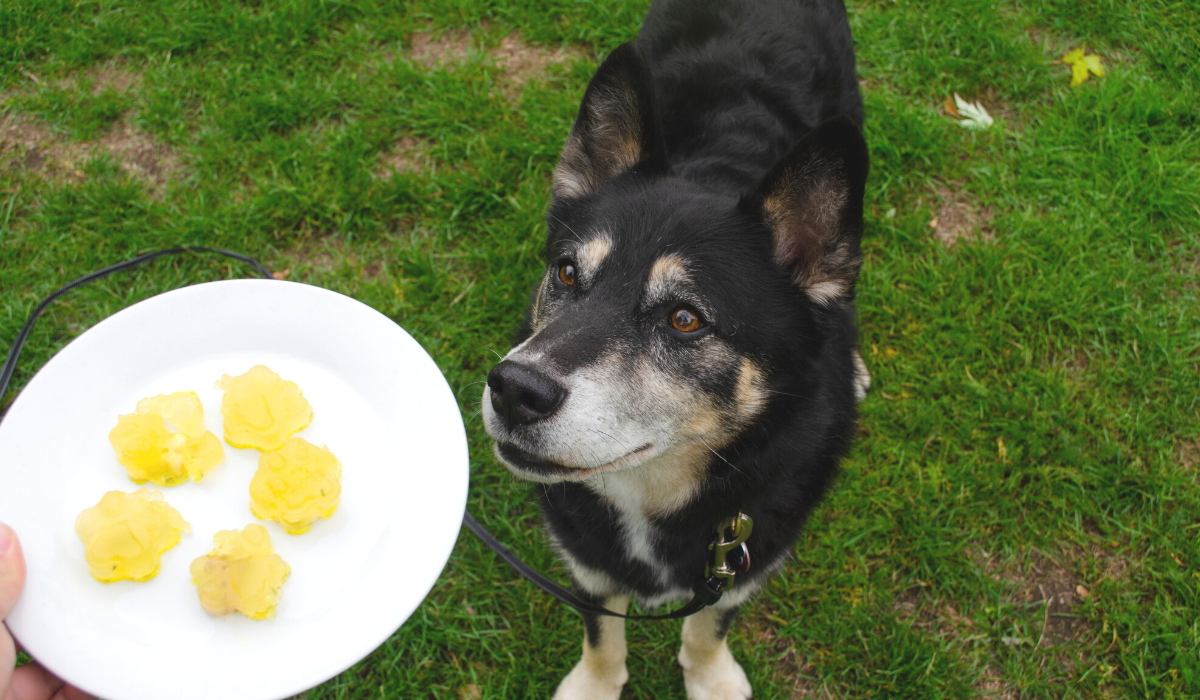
(523, 395)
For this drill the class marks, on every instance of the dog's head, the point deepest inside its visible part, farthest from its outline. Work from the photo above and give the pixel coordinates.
(669, 314)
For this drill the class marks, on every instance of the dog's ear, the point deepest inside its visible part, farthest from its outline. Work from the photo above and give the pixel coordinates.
(812, 202)
(615, 130)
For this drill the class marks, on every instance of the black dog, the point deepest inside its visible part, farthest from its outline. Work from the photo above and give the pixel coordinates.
(690, 352)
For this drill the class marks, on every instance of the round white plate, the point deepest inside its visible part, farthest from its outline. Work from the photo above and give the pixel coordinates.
(379, 403)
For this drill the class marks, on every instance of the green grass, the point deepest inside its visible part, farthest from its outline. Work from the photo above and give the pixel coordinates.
(1034, 422)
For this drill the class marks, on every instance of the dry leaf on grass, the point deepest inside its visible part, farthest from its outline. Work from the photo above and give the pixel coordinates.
(975, 117)
(1082, 66)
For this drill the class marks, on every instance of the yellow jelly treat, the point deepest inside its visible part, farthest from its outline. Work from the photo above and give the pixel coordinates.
(296, 485)
(242, 573)
(125, 534)
(262, 410)
(149, 451)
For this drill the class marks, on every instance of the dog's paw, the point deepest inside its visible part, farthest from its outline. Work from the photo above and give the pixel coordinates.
(862, 378)
(582, 683)
(721, 678)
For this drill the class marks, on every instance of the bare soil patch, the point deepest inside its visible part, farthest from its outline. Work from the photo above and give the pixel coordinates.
(324, 254)
(113, 75)
(405, 156)
(1057, 586)
(448, 47)
(522, 62)
(30, 145)
(1187, 452)
(935, 615)
(993, 685)
(518, 60)
(959, 216)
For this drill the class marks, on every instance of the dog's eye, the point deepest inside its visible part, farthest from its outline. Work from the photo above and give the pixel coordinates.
(685, 320)
(566, 274)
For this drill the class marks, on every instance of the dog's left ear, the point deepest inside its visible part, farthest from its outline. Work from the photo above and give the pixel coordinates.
(615, 129)
(812, 201)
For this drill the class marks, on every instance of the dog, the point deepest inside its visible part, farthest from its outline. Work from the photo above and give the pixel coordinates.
(691, 350)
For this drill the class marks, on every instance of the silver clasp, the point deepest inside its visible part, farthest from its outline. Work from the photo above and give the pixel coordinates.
(731, 534)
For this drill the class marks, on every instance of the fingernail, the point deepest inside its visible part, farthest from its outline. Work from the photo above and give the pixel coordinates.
(6, 538)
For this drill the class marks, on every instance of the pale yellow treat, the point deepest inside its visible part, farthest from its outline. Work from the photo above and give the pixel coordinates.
(148, 449)
(242, 573)
(262, 410)
(125, 534)
(296, 485)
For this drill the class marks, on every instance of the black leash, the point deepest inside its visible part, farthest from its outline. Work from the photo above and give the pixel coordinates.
(705, 592)
(718, 576)
(10, 362)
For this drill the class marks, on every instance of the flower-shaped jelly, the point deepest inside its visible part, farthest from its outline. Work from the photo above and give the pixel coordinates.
(242, 573)
(125, 534)
(296, 485)
(148, 449)
(261, 409)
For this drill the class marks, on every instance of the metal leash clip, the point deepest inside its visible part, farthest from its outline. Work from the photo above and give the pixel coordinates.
(738, 530)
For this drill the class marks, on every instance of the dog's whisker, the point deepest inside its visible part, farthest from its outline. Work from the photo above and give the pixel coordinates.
(718, 454)
(464, 387)
(577, 236)
(473, 417)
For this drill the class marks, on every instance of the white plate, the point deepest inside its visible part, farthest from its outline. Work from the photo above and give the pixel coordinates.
(379, 403)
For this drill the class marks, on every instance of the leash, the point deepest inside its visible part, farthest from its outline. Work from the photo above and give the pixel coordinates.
(729, 540)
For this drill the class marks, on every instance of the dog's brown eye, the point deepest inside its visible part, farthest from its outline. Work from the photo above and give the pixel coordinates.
(685, 320)
(566, 274)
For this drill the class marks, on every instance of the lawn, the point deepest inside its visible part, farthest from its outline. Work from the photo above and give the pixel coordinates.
(1020, 516)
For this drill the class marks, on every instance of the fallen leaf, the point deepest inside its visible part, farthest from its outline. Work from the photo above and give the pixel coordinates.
(1083, 591)
(281, 274)
(977, 117)
(950, 108)
(1082, 66)
(933, 223)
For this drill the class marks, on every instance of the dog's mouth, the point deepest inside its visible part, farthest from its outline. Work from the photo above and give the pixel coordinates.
(540, 469)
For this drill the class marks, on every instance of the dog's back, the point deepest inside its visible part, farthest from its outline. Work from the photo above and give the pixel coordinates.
(739, 82)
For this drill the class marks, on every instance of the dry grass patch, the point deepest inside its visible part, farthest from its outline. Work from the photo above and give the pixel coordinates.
(30, 145)
(1187, 453)
(1056, 585)
(440, 49)
(936, 616)
(518, 61)
(993, 685)
(959, 216)
(407, 155)
(523, 62)
(321, 255)
(111, 75)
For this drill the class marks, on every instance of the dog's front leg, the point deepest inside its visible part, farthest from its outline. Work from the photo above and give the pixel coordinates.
(709, 671)
(601, 673)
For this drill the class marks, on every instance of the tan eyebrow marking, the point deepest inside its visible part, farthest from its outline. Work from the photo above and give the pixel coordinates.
(592, 254)
(668, 272)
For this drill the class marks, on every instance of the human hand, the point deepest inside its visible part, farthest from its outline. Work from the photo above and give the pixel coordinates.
(31, 681)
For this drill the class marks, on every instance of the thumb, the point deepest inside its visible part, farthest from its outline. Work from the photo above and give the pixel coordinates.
(12, 570)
